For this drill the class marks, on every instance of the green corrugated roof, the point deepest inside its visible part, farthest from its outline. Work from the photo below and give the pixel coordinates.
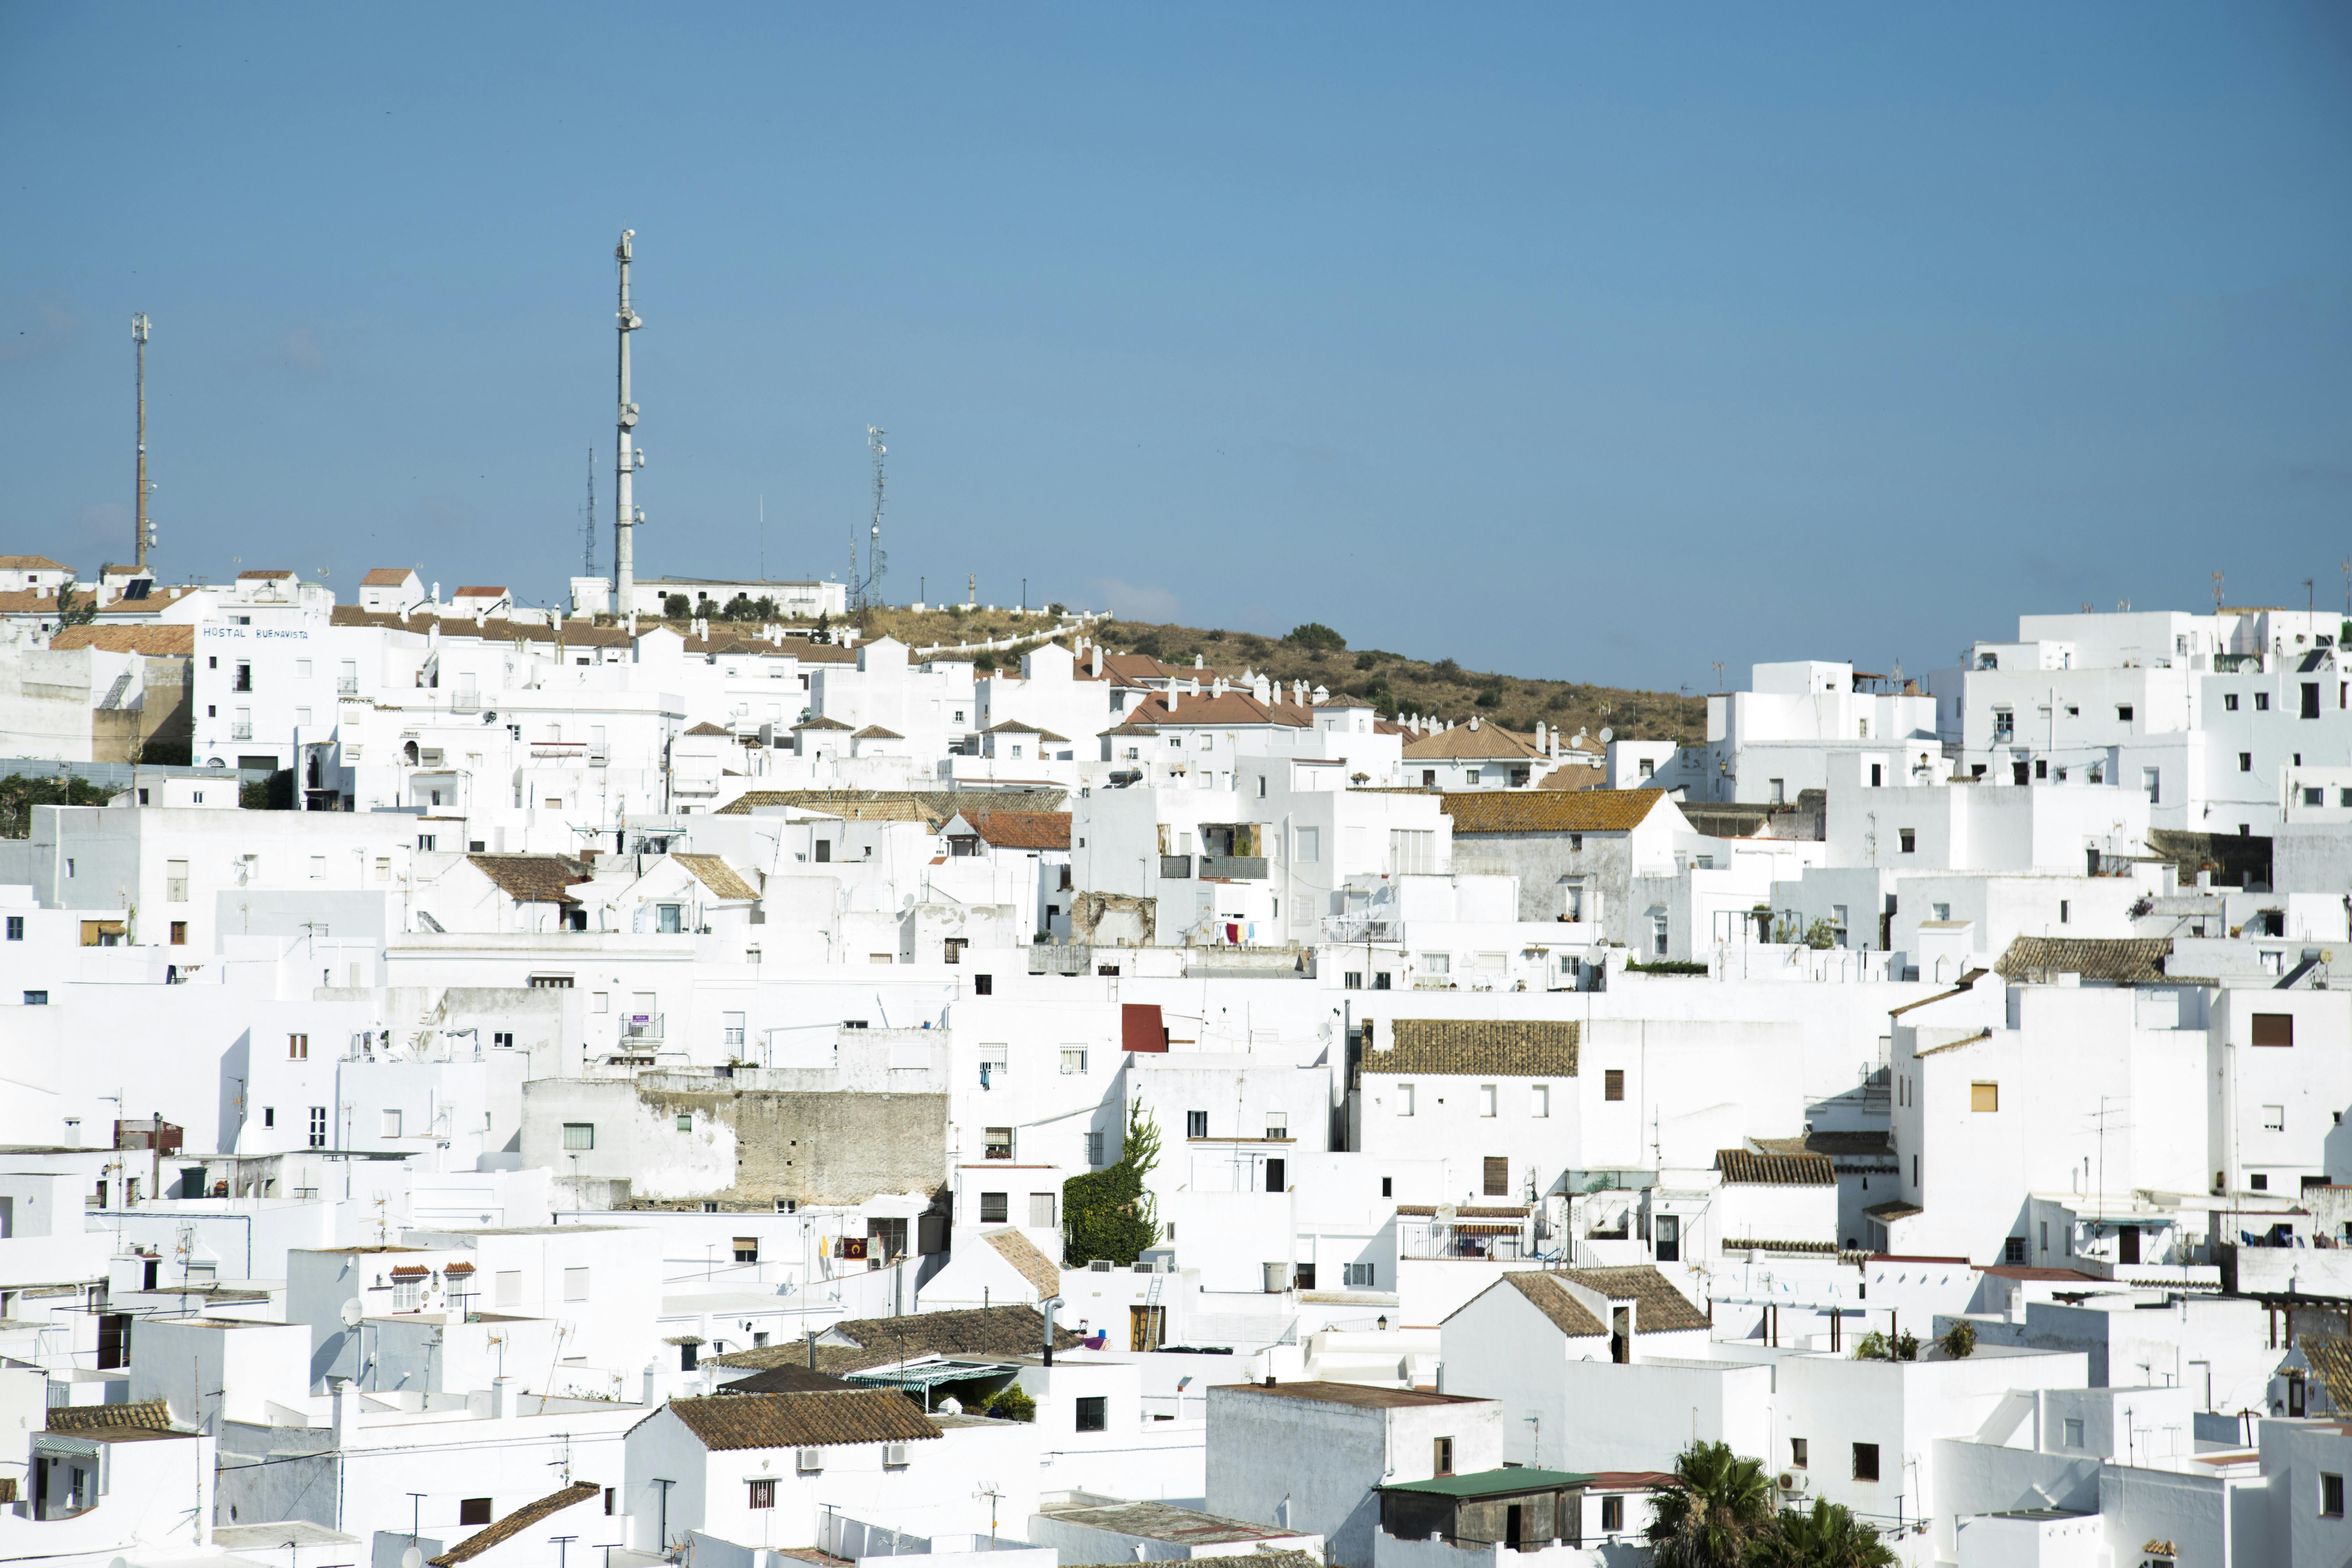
(1494, 1483)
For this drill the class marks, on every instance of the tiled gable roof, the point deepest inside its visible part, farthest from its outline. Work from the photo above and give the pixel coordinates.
(714, 873)
(707, 727)
(722, 1422)
(153, 641)
(2126, 961)
(515, 1523)
(820, 722)
(1032, 1264)
(877, 1341)
(1022, 829)
(1567, 1314)
(1660, 1309)
(149, 1415)
(386, 577)
(255, 576)
(1462, 741)
(1544, 811)
(1748, 1168)
(30, 564)
(531, 879)
(1015, 727)
(935, 807)
(876, 733)
(2330, 1356)
(1504, 1048)
(1235, 707)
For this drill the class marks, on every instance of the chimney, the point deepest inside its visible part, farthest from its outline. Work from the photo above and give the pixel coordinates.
(1171, 697)
(1094, 658)
(501, 1398)
(343, 1410)
(647, 1397)
(1539, 735)
(436, 594)
(1473, 720)
(1197, 661)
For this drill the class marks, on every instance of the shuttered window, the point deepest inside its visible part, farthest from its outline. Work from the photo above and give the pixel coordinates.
(1984, 1097)
(2274, 1028)
(1499, 1176)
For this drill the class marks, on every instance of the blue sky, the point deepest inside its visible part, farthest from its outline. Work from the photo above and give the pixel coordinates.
(1597, 342)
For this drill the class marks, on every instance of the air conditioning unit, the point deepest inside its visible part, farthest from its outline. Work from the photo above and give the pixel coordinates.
(809, 1461)
(1795, 1482)
(894, 1455)
(1101, 1266)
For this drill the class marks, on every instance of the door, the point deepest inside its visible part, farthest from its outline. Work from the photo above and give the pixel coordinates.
(1669, 1238)
(1513, 1520)
(2128, 1243)
(114, 1340)
(1147, 1328)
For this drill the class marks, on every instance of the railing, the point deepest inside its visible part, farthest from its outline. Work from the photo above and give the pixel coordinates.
(347, 685)
(241, 731)
(644, 1028)
(1061, 958)
(1233, 867)
(465, 702)
(560, 749)
(1175, 868)
(1361, 928)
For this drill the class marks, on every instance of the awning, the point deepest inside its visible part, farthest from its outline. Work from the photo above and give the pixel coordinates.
(1487, 1229)
(931, 1374)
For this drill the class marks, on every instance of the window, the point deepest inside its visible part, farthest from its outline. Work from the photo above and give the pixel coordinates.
(684, 1121)
(996, 1143)
(1539, 1100)
(1438, 964)
(1356, 1276)
(763, 1493)
(2315, 796)
(983, 986)
(579, 1136)
(1404, 1099)
(1865, 1461)
(37, 998)
(1094, 1148)
(425, 842)
(2074, 1431)
(1486, 1099)
(179, 933)
(2123, 713)
(2065, 911)
(1277, 1124)
(1388, 1186)
(1613, 1515)
(1441, 1457)
(1800, 1456)
(318, 1127)
(1277, 1176)
(668, 919)
(2262, 702)
(408, 1292)
(1094, 1413)
(1044, 1211)
(1612, 1084)
(1074, 1059)
(2258, 1181)
(298, 1047)
(2273, 1117)
(15, 928)
(2230, 701)
(269, 1116)
(2310, 699)
(2331, 1496)
(2013, 1251)
(383, 868)
(390, 1124)
(809, 1461)
(995, 1208)
(175, 881)
(502, 1038)
(1496, 1169)
(1910, 839)
(550, 982)
(1196, 1124)
(747, 1249)
(2274, 1028)
(825, 852)
(575, 1284)
(1646, 767)
(1309, 842)
(474, 1511)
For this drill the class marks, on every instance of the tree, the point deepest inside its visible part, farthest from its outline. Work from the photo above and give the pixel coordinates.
(1959, 1341)
(1108, 1212)
(1718, 1512)
(72, 614)
(676, 607)
(1315, 635)
(1828, 1537)
(824, 632)
(740, 609)
(19, 793)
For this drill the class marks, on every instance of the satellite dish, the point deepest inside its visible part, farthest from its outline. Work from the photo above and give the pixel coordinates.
(412, 1558)
(352, 1311)
(1607, 735)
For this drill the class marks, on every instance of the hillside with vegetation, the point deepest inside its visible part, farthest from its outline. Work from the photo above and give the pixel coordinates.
(1321, 656)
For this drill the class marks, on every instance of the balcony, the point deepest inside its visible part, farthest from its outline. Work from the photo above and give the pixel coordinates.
(1361, 928)
(1175, 868)
(465, 702)
(1233, 867)
(560, 750)
(347, 685)
(641, 1031)
(242, 730)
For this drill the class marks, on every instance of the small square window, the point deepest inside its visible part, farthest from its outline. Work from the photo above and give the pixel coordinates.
(474, 1511)
(763, 1493)
(2331, 1496)
(579, 1136)
(1094, 1413)
(1196, 1124)
(995, 1207)
(2074, 1431)
(1612, 1084)
(1799, 1455)
(1910, 840)
(1865, 1461)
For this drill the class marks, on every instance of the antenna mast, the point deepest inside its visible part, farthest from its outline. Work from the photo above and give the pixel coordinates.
(145, 532)
(626, 515)
(877, 560)
(588, 563)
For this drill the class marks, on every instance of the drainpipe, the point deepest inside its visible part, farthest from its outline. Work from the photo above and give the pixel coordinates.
(1046, 1306)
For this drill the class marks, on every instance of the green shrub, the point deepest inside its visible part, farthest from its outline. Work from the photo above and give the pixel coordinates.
(1959, 1341)
(1872, 1346)
(1315, 635)
(1012, 1403)
(1108, 1212)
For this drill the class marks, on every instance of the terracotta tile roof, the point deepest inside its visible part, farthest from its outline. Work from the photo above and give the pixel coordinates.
(1543, 1292)
(254, 576)
(1466, 1211)
(1508, 1049)
(1574, 811)
(531, 879)
(1032, 1264)
(2126, 961)
(1893, 1209)
(31, 563)
(2035, 1271)
(1234, 707)
(1364, 1395)
(1015, 727)
(1579, 773)
(722, 1422)
(792, 1377)
(386, 577)
(491, 592)
(1022, 829)
(153, 641)
(1850, 1144)
(820, 722)
(714, 873)
(876, 732)
(936, 807)
(515, 1523)
(1462, 741)
(877, 1341)
(1745, 1167)
(707, 727)
(150, 1414)
(1660, 1309)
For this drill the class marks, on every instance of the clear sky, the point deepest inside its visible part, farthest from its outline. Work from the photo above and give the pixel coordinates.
(1603, 342)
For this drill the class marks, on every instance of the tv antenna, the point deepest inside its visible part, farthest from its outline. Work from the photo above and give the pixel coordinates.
(866, 592)
(145, 534)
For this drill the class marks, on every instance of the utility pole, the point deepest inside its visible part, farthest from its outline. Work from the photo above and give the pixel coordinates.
(867, 592)
(139, 514)
(626, 516)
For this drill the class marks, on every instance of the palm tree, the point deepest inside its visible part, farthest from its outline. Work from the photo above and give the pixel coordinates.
(1716, 1515)
(1829, 1537)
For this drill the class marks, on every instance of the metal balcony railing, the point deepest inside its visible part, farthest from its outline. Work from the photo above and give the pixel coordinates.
(1175, 868)
(641, 1029)
(241, 731)
(1235, 867)
(347, 685)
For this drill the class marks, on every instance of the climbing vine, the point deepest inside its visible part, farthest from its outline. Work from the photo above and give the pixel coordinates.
(1108, 1212)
